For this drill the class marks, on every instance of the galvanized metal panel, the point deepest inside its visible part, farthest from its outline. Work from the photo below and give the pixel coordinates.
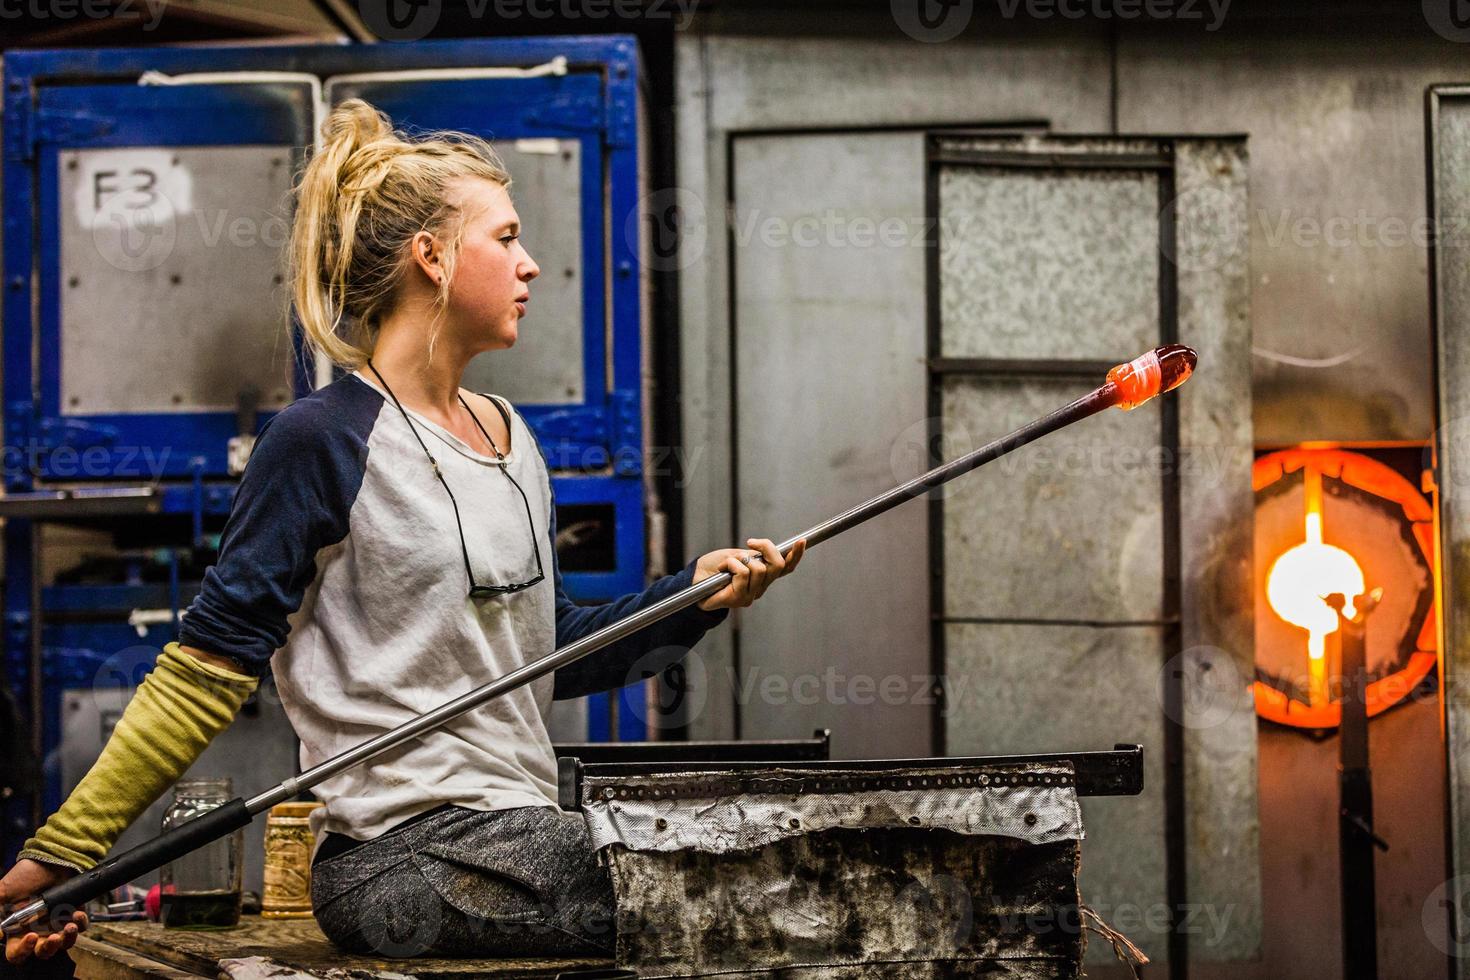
(1449, 119)
(1046, 263)
(1031, 688)
(172, 292)
(545, 365)
(1069, 528)
(830, 409)
(1217, 509)
(892, 904)
(257, 751)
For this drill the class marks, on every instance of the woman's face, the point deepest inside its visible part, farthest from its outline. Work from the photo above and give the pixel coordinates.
(488, 292)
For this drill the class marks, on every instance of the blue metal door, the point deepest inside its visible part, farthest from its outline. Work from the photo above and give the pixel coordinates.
(139, 341)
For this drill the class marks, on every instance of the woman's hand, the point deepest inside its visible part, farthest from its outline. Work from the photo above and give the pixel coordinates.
(22, 885)
(749, 581)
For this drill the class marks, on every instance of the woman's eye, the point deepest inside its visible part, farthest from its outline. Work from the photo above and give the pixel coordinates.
(510, 238)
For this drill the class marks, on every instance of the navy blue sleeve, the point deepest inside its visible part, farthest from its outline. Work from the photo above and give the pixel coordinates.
(293, 500)
(610, 668)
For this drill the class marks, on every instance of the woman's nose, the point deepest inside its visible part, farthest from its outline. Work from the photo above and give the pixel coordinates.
(530, 270)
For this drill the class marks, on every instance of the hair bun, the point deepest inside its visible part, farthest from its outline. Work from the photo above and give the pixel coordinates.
(353, 124)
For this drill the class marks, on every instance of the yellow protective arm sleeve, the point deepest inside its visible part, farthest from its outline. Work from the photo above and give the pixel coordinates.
(176, 712)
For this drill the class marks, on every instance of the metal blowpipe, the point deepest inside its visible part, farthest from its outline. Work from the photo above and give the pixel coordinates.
(1127, 386)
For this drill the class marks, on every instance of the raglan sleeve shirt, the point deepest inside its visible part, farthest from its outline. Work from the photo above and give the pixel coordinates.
(295, 499)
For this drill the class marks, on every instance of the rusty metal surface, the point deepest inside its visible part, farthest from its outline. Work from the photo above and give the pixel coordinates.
(854, 888)
(847, 903)
(721, 813)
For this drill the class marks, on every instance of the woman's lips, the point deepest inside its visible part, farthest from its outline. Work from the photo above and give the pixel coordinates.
(520, 308)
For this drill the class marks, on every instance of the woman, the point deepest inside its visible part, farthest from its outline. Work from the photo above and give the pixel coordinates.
(391, 547)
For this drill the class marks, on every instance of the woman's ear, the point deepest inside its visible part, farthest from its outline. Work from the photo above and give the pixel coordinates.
(427, 256)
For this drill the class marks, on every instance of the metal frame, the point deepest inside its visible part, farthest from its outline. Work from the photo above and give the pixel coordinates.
(1454, 719)
(1118, 772)
(936, 157)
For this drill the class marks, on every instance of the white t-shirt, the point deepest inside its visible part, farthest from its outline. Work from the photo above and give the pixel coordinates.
(341, 571)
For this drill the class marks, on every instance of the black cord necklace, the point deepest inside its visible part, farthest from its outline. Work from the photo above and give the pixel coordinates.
(499, 456)
(475, 589)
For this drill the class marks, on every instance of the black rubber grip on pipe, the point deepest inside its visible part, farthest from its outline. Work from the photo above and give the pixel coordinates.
(65, 898)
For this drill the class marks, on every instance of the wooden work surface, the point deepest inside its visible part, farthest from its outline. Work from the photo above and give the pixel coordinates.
(130, 950)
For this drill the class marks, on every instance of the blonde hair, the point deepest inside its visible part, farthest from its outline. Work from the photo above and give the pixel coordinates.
(361, 199)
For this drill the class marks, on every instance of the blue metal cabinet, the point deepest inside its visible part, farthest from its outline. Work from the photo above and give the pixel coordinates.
(145, 316)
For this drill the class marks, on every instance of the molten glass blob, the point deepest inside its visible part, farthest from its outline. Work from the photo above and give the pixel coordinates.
(1306, 572)
(1161, 369)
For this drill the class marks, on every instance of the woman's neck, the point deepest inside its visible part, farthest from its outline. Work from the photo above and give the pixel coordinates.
(401, 357)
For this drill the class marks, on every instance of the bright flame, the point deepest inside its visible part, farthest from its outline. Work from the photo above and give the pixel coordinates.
(1307, 572)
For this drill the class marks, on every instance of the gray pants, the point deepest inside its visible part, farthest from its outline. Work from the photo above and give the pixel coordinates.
(503, 883)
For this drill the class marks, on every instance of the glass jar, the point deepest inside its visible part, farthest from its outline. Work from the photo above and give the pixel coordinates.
(288, 846)
(202, 889)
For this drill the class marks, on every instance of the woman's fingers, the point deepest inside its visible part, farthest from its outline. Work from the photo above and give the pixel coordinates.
(25, 950)
(739, 581)
(767, 566)
(45, 947)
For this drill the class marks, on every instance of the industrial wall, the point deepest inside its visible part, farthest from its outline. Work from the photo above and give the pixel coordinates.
(1339, 317)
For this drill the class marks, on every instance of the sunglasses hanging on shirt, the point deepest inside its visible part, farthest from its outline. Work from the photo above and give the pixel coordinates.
(476, 591)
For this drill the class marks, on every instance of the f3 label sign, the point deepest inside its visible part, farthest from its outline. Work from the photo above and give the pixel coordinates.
(129, 200)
